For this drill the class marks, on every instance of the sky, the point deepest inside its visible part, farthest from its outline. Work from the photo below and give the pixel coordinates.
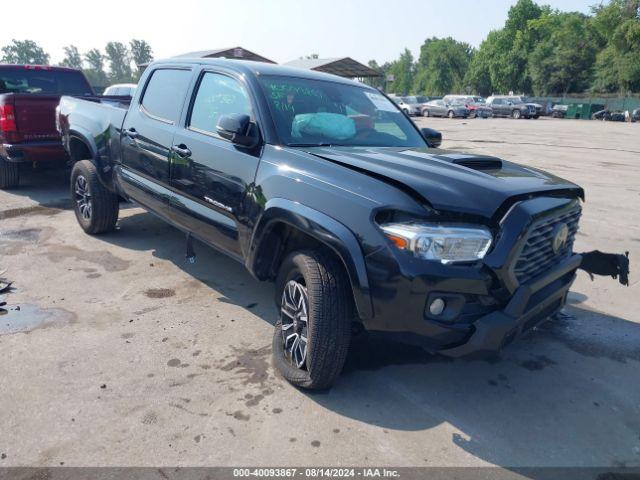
(281, 30)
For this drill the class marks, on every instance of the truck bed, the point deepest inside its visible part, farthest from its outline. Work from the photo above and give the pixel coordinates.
(95, 114)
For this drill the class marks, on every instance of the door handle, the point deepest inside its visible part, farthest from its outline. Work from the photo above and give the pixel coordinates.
(182, 151)
(131, 133)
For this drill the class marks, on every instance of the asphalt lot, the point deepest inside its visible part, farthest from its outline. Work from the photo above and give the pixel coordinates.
(124, 354)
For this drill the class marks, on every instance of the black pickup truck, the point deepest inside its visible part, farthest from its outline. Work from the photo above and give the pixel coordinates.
(324, 186)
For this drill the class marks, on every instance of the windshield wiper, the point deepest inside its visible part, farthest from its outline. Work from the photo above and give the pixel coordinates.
(310, 145)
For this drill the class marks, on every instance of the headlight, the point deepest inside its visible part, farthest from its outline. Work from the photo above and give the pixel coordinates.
(440, 242)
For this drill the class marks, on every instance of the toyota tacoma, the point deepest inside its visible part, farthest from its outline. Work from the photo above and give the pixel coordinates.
(324, 186)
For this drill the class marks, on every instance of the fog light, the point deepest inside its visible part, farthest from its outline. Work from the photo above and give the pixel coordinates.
(437, 306)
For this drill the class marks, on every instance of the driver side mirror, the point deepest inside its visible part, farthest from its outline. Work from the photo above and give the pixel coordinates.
(433, 137)
(238, 129)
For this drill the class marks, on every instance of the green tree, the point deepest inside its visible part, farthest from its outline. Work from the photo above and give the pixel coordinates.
(72, 57)
(95, 73)
(141, 52)
(377, 82)
(442, 66)
(478, 75)
(403, 72)
(501, 64)
(24, 52)
(563, 58)
(119, 60)
(617, 66)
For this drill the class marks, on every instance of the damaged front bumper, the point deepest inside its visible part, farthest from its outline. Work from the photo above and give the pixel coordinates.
(530, 304)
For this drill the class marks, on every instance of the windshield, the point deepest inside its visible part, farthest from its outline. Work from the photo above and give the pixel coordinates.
(410, 99)
(52, 82)
(422, 99)
(317, 112)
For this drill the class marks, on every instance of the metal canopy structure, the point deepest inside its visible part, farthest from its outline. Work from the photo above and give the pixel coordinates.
(235, 53)
(344, 67)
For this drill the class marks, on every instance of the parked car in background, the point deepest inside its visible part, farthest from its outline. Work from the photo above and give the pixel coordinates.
(559, 110)
(607, 115)
(440, 108)
(409, 104)
(121, 90)
(477, 106)
(635, 115)
(511, 106)
(523, 99)
(336, 196)
(29, 95)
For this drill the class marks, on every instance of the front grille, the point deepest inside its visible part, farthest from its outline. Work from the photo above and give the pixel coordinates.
(537, 256)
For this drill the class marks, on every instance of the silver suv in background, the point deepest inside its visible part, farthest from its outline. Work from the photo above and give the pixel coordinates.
(410, 104)
(121, 90)
(440, 108)
(476, 105)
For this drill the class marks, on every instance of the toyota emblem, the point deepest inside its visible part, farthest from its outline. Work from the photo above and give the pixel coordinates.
(559, 237)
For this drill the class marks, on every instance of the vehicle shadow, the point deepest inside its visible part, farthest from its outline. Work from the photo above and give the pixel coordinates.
(564, 394)
(47, 186)
(144, 231)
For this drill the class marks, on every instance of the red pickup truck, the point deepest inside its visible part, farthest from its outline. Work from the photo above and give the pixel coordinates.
(29, 95)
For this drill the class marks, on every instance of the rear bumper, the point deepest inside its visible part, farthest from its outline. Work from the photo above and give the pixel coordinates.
(45, 151)
(530, 304)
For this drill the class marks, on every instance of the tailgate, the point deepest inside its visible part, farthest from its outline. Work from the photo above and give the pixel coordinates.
(35, 117)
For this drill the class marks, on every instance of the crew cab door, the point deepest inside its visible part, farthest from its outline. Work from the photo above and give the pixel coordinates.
(147, 135)
(212, 175)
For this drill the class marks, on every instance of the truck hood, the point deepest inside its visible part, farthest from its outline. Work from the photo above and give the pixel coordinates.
(449, 181)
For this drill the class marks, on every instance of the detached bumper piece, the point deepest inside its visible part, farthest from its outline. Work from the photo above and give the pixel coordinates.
(607, 264)
(530, 304)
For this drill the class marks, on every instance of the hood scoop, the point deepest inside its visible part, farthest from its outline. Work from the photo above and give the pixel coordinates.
(480, 163)
(474, 162)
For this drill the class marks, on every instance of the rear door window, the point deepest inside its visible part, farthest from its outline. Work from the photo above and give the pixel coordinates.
(165, 93)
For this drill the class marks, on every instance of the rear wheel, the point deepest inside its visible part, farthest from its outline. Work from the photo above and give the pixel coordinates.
(516, 114)
(312, 336)
(451, 114)
(9, 174)
(96, 207)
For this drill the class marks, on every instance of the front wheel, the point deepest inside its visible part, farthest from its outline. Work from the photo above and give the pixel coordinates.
(9, 174)
(425, 113)
(96, 207)
(516, 114)
(313, 332)
(451, 114)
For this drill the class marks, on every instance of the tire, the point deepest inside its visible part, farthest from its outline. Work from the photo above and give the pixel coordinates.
(473, 114)
(451, 114)
(425, 113)
(328, 306)
(516, 114)
(535, 117)
(9, 174)
(96, 207)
